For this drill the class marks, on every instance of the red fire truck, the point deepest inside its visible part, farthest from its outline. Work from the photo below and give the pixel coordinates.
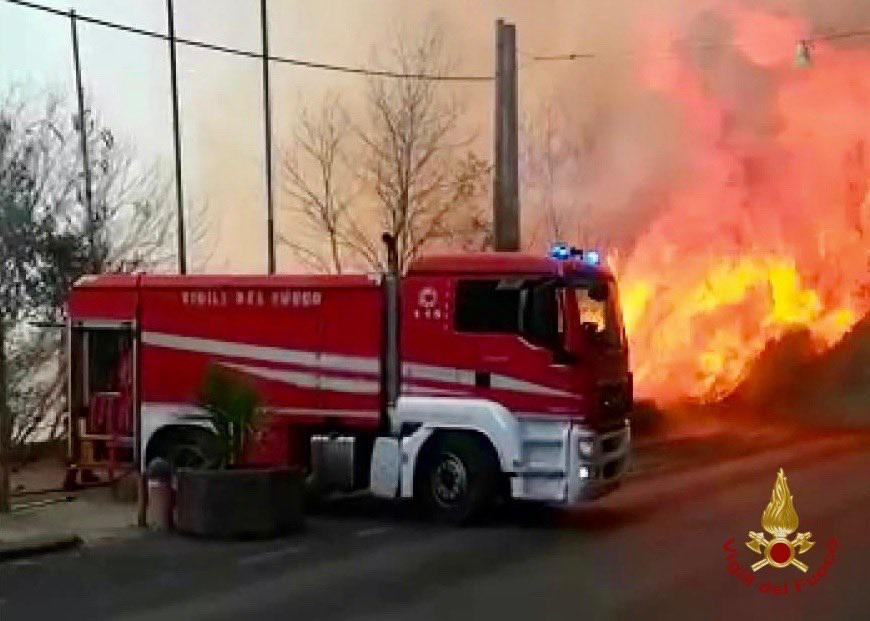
(472, 376)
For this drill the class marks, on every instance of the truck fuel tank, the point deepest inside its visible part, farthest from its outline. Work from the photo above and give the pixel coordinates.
(337, 462)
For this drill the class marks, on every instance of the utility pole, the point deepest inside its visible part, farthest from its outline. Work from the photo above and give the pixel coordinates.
(505, 195)
(179, 190)
(5, 425)
(83, 142)
(267, 120)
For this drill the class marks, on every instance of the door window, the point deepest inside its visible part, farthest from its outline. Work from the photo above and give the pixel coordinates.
(487, 306)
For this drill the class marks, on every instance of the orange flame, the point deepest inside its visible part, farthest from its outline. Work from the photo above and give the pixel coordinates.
(770, 228)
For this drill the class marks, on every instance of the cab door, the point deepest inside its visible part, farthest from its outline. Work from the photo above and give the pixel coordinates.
(515, 362)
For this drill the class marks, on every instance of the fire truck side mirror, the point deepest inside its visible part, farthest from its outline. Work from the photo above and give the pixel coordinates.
(599, 292)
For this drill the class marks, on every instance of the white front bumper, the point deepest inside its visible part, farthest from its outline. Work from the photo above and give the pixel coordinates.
(553, 469)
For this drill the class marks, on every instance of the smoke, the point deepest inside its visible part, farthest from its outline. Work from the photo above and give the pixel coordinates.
(731, 186)
(631, 139)
(763, 225)
(222, 107)
(638, 135)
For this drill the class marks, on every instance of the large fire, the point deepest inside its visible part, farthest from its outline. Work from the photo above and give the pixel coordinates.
(769, 230)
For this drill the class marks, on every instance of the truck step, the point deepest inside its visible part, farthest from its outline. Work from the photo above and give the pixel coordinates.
(540, 470)
(542, 441)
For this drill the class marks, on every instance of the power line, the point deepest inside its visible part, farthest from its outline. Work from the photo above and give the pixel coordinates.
(840, 35)
(310, 64)
(708, 46)
(572, 56)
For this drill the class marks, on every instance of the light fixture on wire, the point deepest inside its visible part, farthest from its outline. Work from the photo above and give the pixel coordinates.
(803, 54)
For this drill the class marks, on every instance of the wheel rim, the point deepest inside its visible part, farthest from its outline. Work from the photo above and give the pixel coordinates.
(188, 456)
(449, 481)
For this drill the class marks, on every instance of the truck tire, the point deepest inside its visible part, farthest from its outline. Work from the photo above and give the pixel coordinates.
(188, 448)
(457, 479)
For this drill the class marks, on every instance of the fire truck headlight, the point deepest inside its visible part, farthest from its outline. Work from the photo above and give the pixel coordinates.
(586, 448)
(584, 472)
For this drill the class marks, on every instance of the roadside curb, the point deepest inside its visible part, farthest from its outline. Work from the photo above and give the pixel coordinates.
(37, 545)
(682, 483)
(777, 445)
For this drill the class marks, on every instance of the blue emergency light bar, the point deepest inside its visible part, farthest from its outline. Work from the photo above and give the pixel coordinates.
(563, 252)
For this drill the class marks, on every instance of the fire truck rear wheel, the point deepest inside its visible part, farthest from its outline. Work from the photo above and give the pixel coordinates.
(187, 448)
(458, 478)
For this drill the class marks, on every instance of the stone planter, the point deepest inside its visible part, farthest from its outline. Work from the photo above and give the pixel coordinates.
(239, 503)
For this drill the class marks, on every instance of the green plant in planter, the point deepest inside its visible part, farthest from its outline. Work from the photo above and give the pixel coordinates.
(233, 407)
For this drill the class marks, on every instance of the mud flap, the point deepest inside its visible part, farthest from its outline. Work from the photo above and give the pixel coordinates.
(384, 481)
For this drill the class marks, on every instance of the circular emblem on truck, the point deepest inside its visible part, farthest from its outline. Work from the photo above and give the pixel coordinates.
(428, 297)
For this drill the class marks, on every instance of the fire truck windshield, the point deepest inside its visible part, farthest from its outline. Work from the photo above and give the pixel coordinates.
(597, 304)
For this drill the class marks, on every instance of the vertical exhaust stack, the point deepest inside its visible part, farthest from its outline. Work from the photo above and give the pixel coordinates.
(392, 379)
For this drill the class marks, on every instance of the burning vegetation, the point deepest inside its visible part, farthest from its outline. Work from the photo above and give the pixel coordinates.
(768, 231)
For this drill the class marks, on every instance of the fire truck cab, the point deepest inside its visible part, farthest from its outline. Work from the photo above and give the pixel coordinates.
(509, 376)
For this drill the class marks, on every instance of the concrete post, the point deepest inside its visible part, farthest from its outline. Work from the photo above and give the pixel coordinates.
(506, 202)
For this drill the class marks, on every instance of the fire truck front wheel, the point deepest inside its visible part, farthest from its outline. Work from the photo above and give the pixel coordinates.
(457, 478)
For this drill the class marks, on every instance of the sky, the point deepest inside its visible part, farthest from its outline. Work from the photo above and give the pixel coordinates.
(127, 77)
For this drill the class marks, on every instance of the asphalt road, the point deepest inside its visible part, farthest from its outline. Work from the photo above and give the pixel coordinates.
(656, 549)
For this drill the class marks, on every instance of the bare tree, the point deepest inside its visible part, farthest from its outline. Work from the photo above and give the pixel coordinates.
(546, 160)
(49, 238)
(129, 223)
(422, 185)
(406, 169)
(316, 187)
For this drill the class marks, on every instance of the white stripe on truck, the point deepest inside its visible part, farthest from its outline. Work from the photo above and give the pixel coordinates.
(336, 362)
(310, 380)
(261, 352)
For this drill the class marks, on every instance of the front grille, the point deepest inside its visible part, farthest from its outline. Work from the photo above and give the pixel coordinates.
(613, 405)
(611, 444)
(611, 469)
